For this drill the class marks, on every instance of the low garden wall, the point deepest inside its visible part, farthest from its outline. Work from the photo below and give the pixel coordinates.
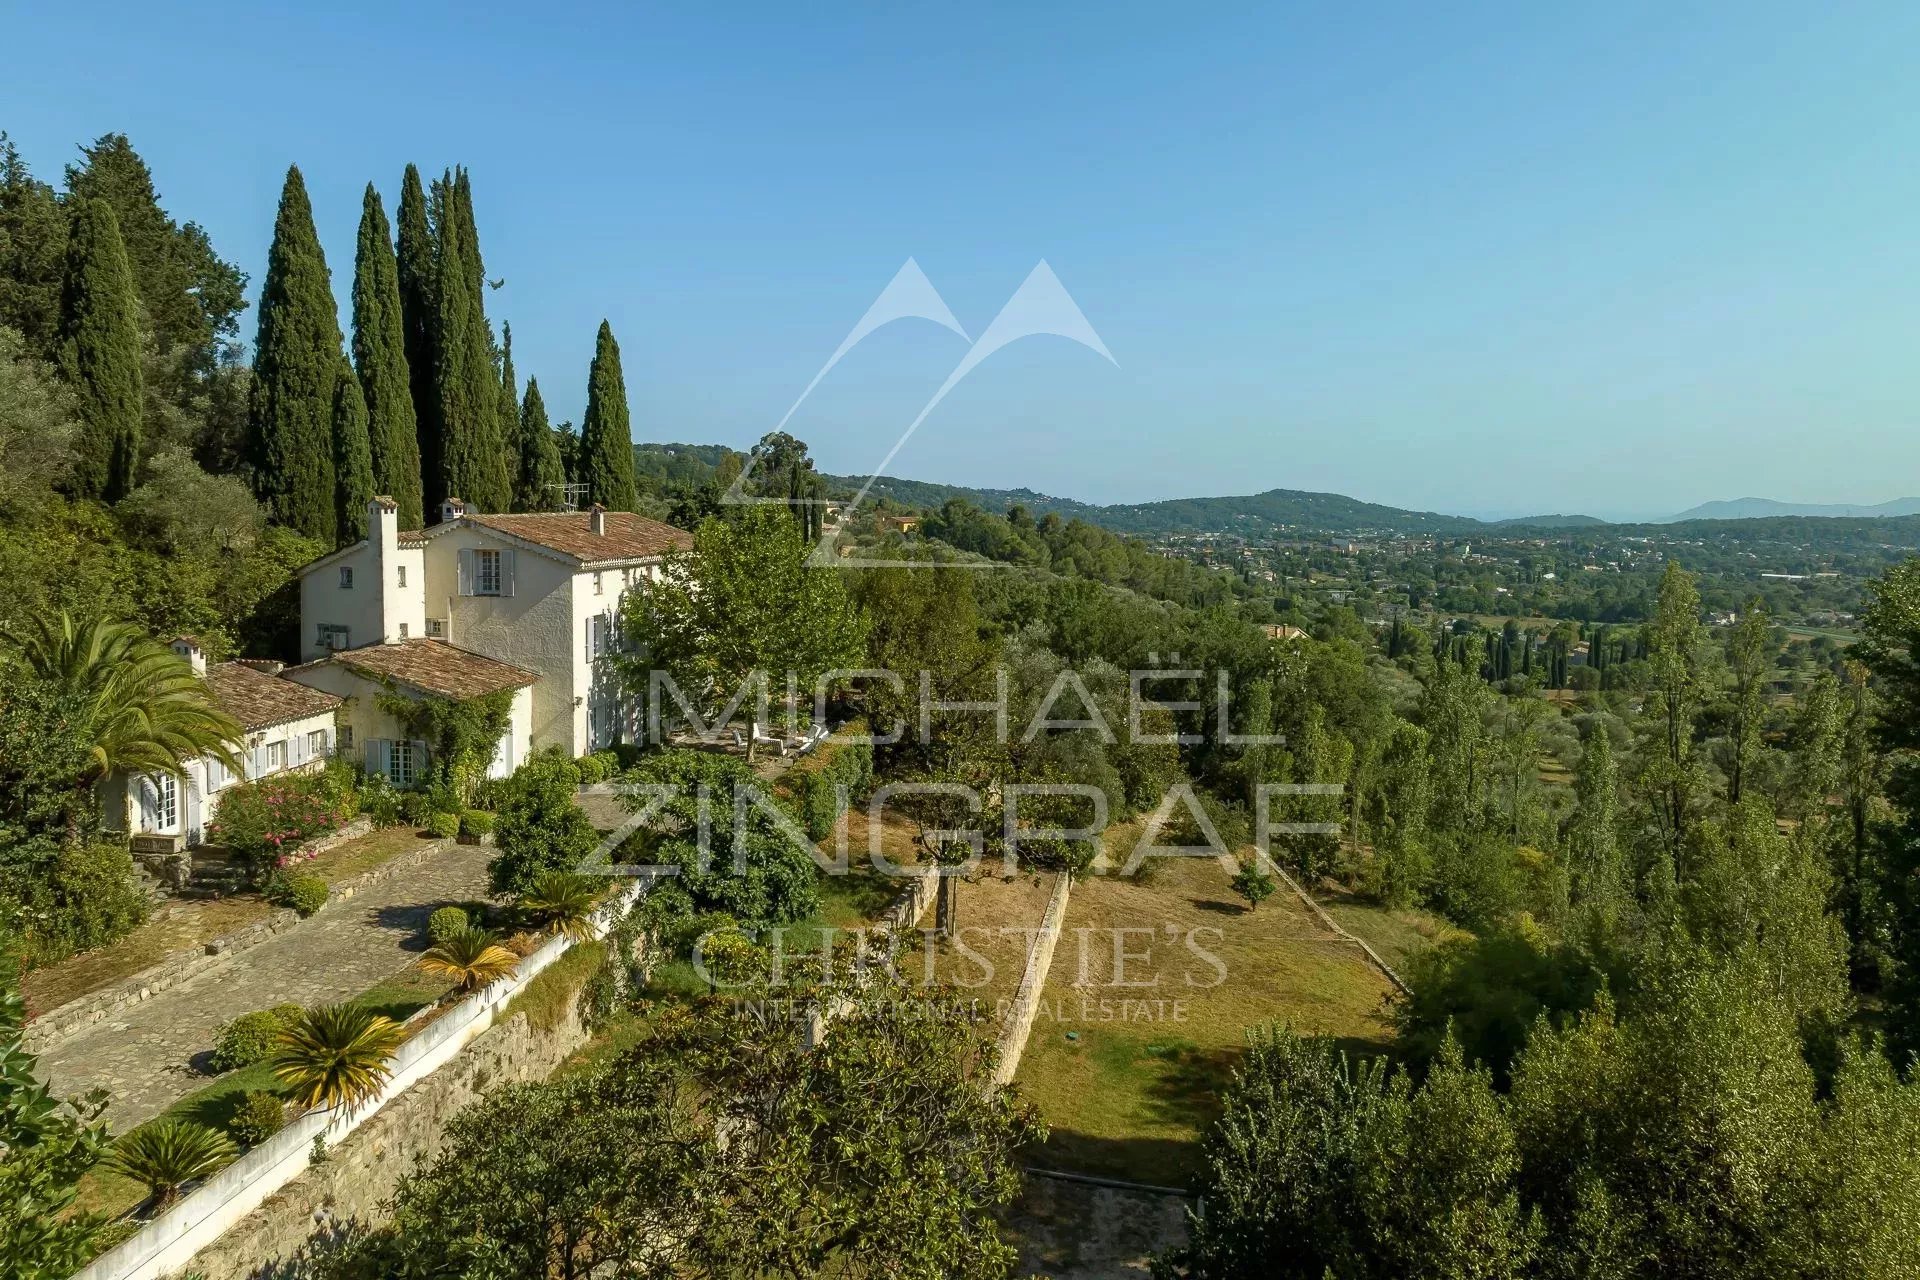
(58, 1023)
(1013, 1039)
(273, 1197)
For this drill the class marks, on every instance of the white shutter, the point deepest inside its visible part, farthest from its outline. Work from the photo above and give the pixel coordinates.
(465, 571)
(506, 572)
(376, 751)
(259, 768)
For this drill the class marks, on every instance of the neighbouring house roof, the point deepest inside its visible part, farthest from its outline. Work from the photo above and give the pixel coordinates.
(259, 700)
(430, 666)
(570, 533)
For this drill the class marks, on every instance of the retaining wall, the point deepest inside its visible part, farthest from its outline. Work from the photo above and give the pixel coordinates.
(1033, 983)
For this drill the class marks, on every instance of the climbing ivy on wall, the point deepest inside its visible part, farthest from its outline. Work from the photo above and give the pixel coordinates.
(461, 733)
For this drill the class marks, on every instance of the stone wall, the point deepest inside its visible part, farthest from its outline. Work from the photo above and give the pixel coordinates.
(364, 1169)
(1013, 1040)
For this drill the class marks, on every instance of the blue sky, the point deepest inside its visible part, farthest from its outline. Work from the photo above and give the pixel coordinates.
(1616, 259)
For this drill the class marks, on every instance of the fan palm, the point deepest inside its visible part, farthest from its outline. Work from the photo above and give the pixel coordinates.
(563, 902)
(471, 958)
(149, 713)
(168, 1154)
(335, 1055)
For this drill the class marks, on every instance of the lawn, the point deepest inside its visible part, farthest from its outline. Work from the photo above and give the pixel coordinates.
(344, 861)
(1128, 1057)
(1398, 935)
(176, 926)
(399, 998)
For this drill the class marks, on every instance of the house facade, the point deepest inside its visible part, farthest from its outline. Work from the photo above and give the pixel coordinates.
(481, 602)
(289, 727)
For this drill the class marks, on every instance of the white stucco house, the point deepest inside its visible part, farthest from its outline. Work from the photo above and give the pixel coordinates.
(288, 726)
(474, 604)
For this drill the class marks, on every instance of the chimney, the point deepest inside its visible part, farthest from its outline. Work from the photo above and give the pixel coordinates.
(383, 536)
(452, 509)
(597, 519)
(189, 648)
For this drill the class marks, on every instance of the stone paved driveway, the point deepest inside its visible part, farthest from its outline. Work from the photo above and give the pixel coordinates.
(143, 1055)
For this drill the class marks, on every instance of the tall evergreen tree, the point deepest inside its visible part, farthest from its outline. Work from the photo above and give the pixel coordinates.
(100, 353)
(417, 278)
(296, 365)
(542, 471)
(380, 356)
(353, 485)
(33, 253)
(473, 453)
(606, 435)
(508, 417)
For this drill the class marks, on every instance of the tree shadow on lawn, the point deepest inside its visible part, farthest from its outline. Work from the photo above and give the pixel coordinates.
(1218, 907)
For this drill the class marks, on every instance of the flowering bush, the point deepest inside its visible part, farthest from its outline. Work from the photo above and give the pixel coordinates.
(263, 823)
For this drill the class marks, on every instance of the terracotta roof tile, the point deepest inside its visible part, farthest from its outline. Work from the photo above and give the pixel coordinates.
(257, 699)
(627, 536)
(434, 666)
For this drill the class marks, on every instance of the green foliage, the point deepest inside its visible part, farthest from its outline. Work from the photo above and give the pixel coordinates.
(475, 824)
(592, 769)
(101, 353)
(563, 902)
(380, 359)
(586, 1175)
(417, 281)
(446, 826)
(167, 1154)
(606, 437)
(262, 824)
(49, 1146)
(38, 423)
(845, 777)
(538, 826)
(471, 957)
(445, 922)
(1253, 884)
(537, 481)
(296, 369)
(260, 1115)
(473, 446)
(336, 1055)
(462, 734)
(68, 898)
(352, 458)
(381, 801)
(251, 1037)
(304, 893)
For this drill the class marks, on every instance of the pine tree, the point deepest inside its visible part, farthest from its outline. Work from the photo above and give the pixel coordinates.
(473, 453)
(100, 353)
(352, 457)
(417, 277)
(296, 365)
(606, 436)
(541, 469)
(380, 356)
(33, 254)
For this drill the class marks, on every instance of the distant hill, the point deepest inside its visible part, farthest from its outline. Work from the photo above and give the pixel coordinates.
(1760, 508)
(1551, 522)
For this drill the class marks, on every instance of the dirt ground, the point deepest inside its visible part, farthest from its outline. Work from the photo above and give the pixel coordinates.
(1070, 1231)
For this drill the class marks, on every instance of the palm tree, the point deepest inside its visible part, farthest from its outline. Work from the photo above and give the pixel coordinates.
(563, 902)
(148, 712)
(471, 958)
(335, 1055)
(168, 1154)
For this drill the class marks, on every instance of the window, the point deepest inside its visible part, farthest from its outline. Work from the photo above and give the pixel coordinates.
(400, 763)
(599, 632)
(332, 636)
(166, 802)
(401, 571)
(276, 755)
(436, 627)
(346, 577)
(346, 737)
(317, 743)
(486, 573)
(596, 583)
(403, 631)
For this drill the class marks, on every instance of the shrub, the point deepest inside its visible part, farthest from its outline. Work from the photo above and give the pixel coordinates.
(563, 902)
(446, 826)
(304, 893)
(476, 824)
(261, 1114)
(71, 899)
(263, 823)
(538, 827)
(381, 801)
(472, 958)
(168, 1154)
(251, 1037)
(591, 769)
(336, 1056)
(446, 922)
(610, 763)
(415, 808)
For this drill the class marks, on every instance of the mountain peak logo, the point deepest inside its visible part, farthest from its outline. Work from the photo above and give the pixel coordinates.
(1041, 306)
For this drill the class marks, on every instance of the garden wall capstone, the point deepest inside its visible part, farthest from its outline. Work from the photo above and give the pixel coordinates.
(55, 1025)
(1013, 1040)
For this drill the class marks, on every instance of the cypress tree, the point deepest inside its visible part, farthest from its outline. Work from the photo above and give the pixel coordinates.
(508, 417)
(606, 435)
(417, 279)
(541, 469)
(352, 457)
(296, 365)
(100, 353)
(473, 458)
(380, 356)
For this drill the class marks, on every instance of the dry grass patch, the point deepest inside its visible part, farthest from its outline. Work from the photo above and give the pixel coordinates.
(175, 926)
(354, 857)
(1133, 1089)
(998, 919)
